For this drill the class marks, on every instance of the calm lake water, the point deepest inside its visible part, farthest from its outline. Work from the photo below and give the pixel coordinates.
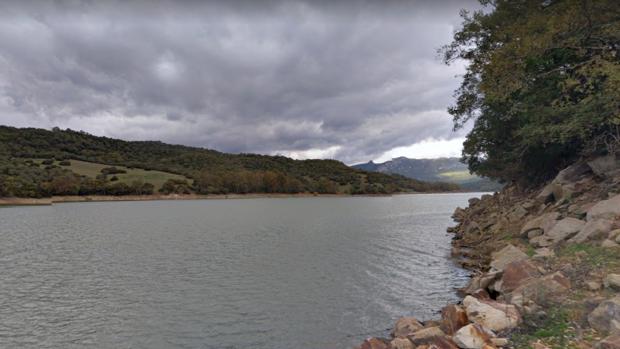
(252, 273)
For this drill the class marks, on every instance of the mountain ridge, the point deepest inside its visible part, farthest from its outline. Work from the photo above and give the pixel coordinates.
(448, 169)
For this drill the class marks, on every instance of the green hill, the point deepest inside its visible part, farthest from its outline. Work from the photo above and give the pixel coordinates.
(40, 163)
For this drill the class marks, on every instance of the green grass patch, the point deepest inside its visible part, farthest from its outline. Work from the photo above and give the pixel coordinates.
(554, 330)
(91, 169)
(593, 255)
(457, 175)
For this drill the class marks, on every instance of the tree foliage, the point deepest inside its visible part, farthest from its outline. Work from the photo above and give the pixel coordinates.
(542, 85)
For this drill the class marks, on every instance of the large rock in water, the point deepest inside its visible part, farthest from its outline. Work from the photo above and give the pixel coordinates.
(594, 229)
(406, 326)
(374, 343)
(472, 336)
(606, 317)
(543, 223)
(490, 314)
(606, 209)
(506, 256)
(562, 230)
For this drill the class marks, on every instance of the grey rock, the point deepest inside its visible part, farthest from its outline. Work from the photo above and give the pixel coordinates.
(606, 209)
(593, 229)
(604, 165)
(612, 281)
(506, 256)
(562, 230)
(606, 317)
(544, 222)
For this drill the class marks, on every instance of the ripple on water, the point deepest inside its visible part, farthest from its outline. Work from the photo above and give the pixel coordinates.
(271, 273)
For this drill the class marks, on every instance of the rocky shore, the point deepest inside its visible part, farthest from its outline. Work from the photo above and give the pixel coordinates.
(545, 264)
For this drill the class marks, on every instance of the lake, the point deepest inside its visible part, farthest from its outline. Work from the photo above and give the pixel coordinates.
(275, 273)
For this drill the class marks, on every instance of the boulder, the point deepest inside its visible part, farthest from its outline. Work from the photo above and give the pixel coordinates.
(611, 342)
(499, 342)
(614, 234)
(544, 223)
(543, 253)
(401, 343)
(406, 326)
(441, 343)
(517, 273)
(425, 335)
(593, 285)
(481, 282)
(453, 317)
(572, 173)
(612, 281)
(459, 214)
(606, 209)
(506, 256)
(609, 244)
(546, 194)
(375, 343)
(593, 229)
(606, 317)
(562, 230)
(549, 289)
(604, 165)
(490, 314)
(517, 214)
(472, 336)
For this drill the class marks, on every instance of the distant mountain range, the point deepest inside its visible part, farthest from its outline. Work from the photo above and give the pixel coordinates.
(442, 169)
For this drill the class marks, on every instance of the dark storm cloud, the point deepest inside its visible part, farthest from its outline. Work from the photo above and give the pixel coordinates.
(345, 79)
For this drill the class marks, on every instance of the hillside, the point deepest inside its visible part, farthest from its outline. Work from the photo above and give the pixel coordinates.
(41, 163)
(443, 169)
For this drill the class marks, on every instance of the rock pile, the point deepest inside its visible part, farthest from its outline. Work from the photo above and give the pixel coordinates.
(531, 251)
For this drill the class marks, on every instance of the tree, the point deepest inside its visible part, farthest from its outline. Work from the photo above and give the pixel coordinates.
(542, 85)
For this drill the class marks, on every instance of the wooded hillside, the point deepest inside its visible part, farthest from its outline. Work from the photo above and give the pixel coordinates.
(31, 165)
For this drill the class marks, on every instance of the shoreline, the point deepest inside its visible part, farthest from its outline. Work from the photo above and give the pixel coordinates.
(545, 265)
(15, 201)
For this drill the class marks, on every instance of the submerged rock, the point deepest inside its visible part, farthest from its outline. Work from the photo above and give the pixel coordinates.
(375, 343)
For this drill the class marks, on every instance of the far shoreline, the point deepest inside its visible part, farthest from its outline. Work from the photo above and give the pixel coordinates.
(15, 201)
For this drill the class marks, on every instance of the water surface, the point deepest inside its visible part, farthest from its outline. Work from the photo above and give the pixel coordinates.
(251, 273)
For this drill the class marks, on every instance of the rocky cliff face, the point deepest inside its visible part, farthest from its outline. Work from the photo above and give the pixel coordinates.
(546, 266)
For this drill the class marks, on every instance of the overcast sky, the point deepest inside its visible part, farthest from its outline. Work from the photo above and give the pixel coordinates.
(354, 81)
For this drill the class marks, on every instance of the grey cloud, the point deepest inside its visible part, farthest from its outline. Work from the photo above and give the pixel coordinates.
(237, 76)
